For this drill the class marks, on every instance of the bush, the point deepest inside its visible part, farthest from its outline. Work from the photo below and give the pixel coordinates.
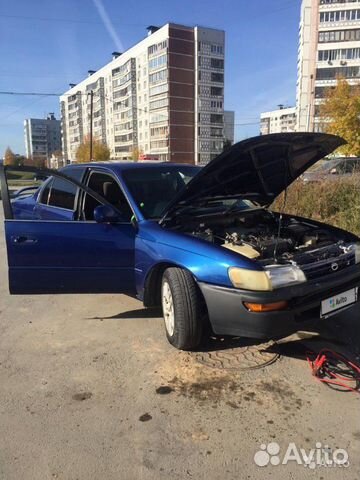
(336, 202)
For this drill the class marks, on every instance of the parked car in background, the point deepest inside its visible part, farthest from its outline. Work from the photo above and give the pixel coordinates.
(333, 169)
(200, 242)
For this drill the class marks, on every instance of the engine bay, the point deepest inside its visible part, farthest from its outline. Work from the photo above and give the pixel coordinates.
(266, 237)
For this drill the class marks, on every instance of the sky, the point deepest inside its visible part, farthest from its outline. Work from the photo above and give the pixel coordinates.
(47, 44)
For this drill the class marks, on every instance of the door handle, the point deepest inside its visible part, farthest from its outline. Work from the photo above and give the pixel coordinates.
(23, 239)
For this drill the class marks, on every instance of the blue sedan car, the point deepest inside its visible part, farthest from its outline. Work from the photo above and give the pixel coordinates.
(200, 242)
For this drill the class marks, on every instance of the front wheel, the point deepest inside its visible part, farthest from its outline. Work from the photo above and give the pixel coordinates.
(183, 309)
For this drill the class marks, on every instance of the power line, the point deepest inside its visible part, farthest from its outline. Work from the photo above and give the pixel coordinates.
(28, 94)
(5, 117)
(42, 94)
(67, 20)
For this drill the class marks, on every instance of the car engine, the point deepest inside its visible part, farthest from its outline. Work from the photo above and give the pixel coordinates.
(259, 234)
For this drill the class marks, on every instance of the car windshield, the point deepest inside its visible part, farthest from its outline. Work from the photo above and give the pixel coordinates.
(154, 187)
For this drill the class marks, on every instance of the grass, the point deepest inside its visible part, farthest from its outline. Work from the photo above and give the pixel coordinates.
(19, 175)
(336, 202)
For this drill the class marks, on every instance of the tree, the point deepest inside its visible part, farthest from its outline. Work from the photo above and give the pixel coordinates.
(38, 161)
(226, 145)
(19, 160)
(58, 154)
(101, 151)
(135, 154)
(340, 115)
(9, 157)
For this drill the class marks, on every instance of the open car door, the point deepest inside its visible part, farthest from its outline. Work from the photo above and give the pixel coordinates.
(67, 255)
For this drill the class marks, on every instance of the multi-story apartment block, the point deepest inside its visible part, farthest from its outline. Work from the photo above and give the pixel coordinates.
(329, 46)
(278, 121)
(162, 98)
(229, 125)
(42, 137)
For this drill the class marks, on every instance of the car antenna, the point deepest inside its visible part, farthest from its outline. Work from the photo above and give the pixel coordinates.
(282, 209)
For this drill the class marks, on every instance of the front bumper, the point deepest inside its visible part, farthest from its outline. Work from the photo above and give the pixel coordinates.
(229, 316)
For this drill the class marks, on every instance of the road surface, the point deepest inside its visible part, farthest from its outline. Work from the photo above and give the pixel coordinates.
(91, 389)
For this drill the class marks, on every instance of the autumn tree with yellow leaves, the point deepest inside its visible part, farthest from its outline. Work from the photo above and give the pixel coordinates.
(340, 115)
(101, 151)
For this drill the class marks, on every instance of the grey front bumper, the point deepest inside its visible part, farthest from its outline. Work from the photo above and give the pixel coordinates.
(229, 316)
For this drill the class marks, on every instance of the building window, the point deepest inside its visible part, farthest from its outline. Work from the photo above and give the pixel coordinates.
(217, 49)
(333, 73)
(216, 132)
(159, 117)
(156, 48)
(159, 143)
(216, 104)
(340, 16)
(328, 2)
(217, 63)
(158, 77)
(216, 91)
(162, 102)
(339, 36)
(217, 77)
(158, 62)
(216, 118)
(159, 89)
(340, 54)
(159, 131)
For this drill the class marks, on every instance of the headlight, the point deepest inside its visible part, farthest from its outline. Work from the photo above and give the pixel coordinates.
(249, 279)
(283, 275)
(274, 276)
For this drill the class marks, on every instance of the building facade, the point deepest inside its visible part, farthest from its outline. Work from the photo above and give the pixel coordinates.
(162, 98)
(229, 125)
(329, 47)
(278, 121)
(42, 137)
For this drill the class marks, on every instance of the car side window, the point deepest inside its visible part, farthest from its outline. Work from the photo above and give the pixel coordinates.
(106, 186)
(44, 194)
(62, 194)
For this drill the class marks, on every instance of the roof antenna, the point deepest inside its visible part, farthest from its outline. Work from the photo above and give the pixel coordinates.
(286, 165)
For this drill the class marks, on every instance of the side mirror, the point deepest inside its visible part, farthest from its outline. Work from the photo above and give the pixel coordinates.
(106, 214)
(333, 171)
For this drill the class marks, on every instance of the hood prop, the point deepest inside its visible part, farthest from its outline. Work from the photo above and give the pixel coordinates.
(286, 179)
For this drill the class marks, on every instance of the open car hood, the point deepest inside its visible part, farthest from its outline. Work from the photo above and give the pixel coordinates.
(258, 168)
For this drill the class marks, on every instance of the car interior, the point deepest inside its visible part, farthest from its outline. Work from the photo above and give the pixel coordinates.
(155, 190)
(106, 186)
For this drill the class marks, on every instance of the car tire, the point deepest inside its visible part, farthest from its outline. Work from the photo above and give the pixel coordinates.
(183, 308)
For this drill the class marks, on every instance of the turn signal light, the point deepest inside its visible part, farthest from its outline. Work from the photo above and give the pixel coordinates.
(266, 307)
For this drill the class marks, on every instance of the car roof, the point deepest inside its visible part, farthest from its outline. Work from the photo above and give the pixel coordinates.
(129, 165)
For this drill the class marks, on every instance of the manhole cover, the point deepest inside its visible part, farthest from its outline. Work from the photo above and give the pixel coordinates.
(237, 354)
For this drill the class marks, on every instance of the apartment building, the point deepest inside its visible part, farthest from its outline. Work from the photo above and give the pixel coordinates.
(42, 137)
(277, 121)
(162, 99)
(229, 125)
(329, 46)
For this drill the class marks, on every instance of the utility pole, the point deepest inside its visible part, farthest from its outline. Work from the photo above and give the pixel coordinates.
(91, 123)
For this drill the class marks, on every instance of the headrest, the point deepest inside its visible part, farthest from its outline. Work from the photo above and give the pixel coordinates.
(111, 192)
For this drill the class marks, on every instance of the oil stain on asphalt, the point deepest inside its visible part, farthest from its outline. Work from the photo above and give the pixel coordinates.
(80, 397)
(145, 417)
(164, 390)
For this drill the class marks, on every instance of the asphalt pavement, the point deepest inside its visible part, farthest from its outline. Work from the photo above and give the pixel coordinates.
(90, 389)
